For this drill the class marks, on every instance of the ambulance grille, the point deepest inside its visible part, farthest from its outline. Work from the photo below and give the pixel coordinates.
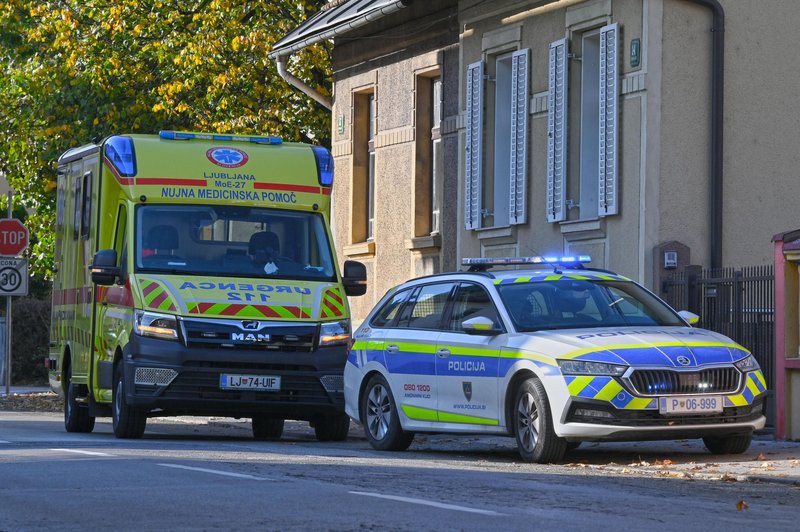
(227, 334)
(155, 376)
(655, 382)
(333, 383)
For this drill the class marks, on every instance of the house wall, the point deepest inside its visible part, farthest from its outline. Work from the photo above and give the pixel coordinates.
(386, 57)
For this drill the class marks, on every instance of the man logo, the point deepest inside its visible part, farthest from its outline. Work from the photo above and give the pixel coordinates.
(250, 325)
(467, 387)
(683, 361)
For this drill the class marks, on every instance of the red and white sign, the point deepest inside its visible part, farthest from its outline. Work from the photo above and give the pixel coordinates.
(13, 237)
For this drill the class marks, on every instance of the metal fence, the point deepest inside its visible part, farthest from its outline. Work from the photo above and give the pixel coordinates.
(738, 303)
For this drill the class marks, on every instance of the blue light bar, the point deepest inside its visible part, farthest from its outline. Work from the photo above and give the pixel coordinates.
(185, 135)
(324, 166)
(485, 262)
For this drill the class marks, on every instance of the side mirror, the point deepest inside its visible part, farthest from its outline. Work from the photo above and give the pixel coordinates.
(480, 325)
(354, 278)
(690, 317)
(104, 267)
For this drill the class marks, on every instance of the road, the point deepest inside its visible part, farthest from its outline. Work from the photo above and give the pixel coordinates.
(191, 474)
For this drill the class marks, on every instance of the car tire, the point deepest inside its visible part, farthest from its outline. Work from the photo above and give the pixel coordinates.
(332, 428)
(736, 444)
(381, 419)
(76, 415)
(533, 425)
(267, 428)
(127, 422)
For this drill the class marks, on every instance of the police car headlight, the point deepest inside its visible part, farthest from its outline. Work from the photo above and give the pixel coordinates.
(748, 363)
(162, 326)
(585, 367)
(334, 333)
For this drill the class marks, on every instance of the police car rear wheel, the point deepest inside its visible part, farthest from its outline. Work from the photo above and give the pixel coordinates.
(266, 428)
(533, 424)
(380, 417)
(729, 444)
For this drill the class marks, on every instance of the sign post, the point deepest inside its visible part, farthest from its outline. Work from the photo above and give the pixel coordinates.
(13, 272)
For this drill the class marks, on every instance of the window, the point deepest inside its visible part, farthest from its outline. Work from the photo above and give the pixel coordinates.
(496, 151)
(429, 158)
(363, 191)
(427, 307)
(591, 189)
(471, 301)
(389, 310)
(86, 209)
(78, 202)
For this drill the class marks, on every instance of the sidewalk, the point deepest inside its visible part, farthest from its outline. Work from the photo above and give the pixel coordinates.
(24, 389)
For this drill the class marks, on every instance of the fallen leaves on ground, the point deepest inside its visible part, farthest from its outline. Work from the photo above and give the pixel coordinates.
(741, 505)
(31, 402)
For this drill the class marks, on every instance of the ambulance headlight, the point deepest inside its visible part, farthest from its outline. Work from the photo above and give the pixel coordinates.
(164, 326)
(334, 333)
(586, 367)
(748, 363)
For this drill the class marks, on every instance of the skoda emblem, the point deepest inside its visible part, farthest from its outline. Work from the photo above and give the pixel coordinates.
(250, 325)
(683, 361)
(467, 387)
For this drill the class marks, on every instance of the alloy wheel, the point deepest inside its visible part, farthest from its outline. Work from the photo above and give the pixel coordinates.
(379, 412)
(527, 422)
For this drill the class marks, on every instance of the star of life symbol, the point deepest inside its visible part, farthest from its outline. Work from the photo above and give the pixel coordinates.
(227, 157)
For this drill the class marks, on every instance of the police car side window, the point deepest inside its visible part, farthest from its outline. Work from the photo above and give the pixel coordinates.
(471, 301)
(389, 310)
(426, 309)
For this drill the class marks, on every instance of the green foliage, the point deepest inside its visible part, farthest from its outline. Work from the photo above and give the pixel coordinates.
(29, 340)
(77, 70)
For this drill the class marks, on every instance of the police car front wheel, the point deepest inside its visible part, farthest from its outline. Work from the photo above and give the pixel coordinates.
(533, 425)
(381, 419)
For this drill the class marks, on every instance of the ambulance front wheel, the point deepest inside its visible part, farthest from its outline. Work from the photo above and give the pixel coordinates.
(127, 421)
(533, 425)
(381, 419)
(332, 428)
(267, 428)
(76, 415)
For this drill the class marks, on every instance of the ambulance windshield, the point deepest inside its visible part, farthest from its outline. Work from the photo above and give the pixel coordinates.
(232, 241)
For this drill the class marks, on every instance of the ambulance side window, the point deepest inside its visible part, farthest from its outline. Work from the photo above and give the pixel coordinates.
(86, 205)
(121, 239)
(76, 220)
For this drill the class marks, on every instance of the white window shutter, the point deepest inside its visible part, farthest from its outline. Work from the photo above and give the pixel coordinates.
(473, 173)
(558, 80)
(520, 61)
(609, 113)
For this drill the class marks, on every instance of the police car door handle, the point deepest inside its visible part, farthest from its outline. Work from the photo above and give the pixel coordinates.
(392, 348)
(443, 352)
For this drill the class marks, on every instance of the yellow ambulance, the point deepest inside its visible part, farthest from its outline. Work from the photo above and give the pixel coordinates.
(195, 275)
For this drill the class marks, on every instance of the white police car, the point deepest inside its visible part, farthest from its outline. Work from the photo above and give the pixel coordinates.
(553, 355)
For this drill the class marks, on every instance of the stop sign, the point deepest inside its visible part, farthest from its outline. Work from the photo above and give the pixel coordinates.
(13, 237)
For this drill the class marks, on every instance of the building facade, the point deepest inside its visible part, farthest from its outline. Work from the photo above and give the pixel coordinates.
(649, 134)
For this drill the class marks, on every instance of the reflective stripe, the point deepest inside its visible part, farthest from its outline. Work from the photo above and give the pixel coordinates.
(596, 349)
(427, 414)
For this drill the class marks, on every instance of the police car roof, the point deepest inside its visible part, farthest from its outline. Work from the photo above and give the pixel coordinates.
(541, 273)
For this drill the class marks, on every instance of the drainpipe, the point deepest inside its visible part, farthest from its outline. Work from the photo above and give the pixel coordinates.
(298, 83)
(282, 53)
(717, 107)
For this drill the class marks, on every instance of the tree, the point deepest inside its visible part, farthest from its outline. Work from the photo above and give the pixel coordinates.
(78, 70)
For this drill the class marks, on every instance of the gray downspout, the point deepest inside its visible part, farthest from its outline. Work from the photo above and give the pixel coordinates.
(298, 83)
(717, 109)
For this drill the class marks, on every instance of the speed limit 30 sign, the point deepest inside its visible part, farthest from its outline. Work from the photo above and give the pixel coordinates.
(13, 277)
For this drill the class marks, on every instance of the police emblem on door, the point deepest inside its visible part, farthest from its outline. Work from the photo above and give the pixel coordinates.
(467, 387)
